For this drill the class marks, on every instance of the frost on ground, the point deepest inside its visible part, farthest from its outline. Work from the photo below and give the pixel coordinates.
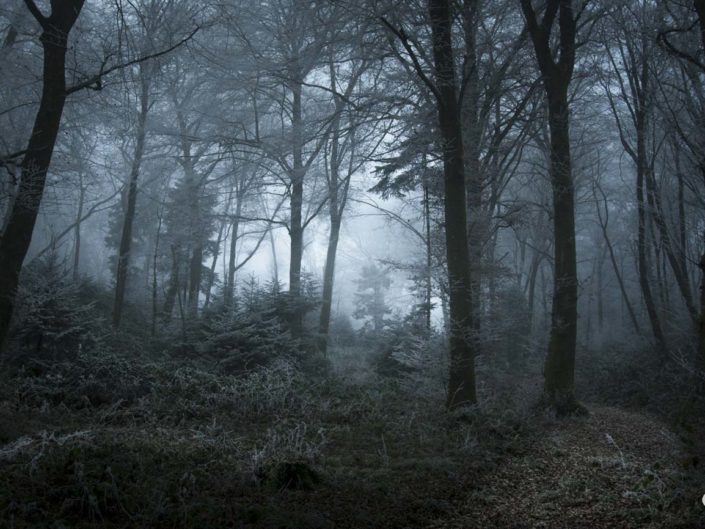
(109, 443)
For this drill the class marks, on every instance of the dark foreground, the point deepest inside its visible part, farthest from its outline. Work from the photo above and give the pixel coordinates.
(107, 442)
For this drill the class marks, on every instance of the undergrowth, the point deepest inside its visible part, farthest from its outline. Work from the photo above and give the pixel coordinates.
(106, 440)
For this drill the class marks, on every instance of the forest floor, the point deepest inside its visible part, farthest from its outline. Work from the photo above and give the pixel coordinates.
(110, 442)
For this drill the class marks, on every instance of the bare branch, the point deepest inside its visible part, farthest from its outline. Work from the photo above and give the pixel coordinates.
(36, 13)
(399, 33)
(95, 81)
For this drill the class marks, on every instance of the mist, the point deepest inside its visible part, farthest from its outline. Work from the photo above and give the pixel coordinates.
(305, 263)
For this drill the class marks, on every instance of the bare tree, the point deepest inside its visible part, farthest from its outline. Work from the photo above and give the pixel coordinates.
(35, 164)
(557, 72)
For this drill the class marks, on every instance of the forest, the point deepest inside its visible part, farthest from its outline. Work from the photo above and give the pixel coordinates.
(352, 264)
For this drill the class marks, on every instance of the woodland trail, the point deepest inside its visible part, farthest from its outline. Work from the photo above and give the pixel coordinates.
(195, 453)
(612, 469)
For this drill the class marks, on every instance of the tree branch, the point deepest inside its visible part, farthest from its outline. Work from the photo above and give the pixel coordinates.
(36, 13)
(95, 81)
(417, 66)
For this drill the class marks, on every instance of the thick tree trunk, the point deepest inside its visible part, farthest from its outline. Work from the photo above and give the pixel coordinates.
(700, 353)
(472, 136)
(123, 261)
(559, 368)
(17, 235)
(700, 362)
(461, 386)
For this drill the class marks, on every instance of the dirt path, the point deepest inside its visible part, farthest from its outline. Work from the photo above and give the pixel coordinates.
(613, 469)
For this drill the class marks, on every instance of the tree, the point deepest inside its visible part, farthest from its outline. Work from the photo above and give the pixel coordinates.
(22, 217)
(129, 217)
(369, 298)
(556, 73)
(287, 39)
(694, 68)
(351, 144)
(35, 164)
(445, 98)
(631, 53)
(461, 387)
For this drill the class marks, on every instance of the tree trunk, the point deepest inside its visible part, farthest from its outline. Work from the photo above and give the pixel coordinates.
(429, 254)
(195, 273)
(77, 230)
(615, 266)
(642, 262)
(559, 367)
(700, 354)
(214, 261)
(328, 281)
(700, 361)
(154, 274)
(461, 386)
(675, 256)
(296, 230)
(123, 261)
(174, 284)
(533, 273)
(232, 264)
(23, 215)
(472, 136)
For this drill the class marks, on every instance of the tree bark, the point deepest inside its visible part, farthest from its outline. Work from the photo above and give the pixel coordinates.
(195, 274)
(155, 256)
(17, 235)
(77, 229)
(642, 262)
(174, 284)
(232, 264)
(296, 230)
(559, 367)
(604, 220)
(472, 136)
(328, 281)
(123, 261)
(429, 254)
(461, 386)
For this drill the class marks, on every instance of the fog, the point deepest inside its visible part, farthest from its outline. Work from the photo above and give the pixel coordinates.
(352, 263)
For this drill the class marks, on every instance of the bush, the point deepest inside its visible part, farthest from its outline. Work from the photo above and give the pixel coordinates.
(52, 318)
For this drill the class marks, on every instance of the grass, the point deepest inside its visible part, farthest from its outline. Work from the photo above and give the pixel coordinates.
(106, 441)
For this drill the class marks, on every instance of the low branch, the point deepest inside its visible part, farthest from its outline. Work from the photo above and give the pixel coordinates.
(91, 211)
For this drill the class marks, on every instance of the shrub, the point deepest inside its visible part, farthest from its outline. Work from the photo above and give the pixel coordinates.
(53, 318)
